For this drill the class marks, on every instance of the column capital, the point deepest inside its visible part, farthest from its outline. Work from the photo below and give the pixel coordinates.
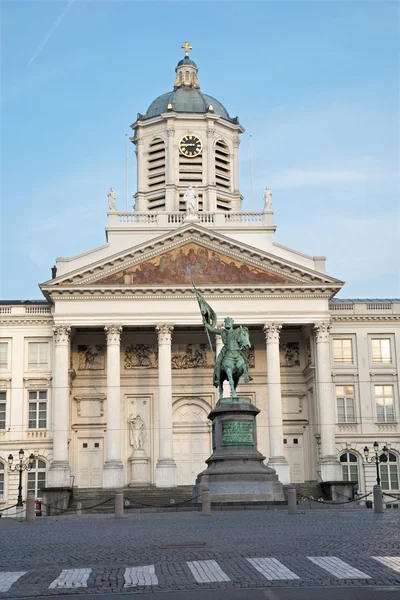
(322, 331)
(272, 331)
(61, 334)
(113, 333)
(164, 333)
(170, 131)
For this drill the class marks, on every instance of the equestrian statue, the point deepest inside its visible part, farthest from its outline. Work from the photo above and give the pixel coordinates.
(231, 363)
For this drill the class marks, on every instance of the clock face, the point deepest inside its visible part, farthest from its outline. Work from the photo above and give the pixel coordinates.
(190, 146)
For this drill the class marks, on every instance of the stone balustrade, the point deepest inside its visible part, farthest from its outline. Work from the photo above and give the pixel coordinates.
(163, 219)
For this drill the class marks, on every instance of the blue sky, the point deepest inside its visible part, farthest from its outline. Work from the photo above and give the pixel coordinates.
(316, 84)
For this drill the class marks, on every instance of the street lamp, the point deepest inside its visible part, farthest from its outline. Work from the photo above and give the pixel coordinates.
(21, 466)
(376, 459)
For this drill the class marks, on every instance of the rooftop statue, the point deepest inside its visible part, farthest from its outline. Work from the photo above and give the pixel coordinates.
(112, 200)
(231, 363)
(267, 197)
(190, 199)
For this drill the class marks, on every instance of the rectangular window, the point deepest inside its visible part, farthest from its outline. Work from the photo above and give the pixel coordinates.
(38, 355)
(342, 352)
(4, 356)
(3, 410)
(381, 353)
(37, 410)
(345, 404)
(389, 477)
(384, 403)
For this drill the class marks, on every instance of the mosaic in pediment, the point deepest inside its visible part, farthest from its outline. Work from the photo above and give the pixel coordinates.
(205, 266)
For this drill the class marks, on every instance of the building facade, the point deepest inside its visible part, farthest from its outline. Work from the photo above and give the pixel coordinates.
(108, 380)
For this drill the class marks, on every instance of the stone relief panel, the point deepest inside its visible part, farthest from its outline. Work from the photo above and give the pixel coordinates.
(91, 358)
(289, 354)
(190, 356)
(141, 355)
(206, 266)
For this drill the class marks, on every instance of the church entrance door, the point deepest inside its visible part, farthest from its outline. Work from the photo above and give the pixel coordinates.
(293, 447)
(192, 444)
(90, 462)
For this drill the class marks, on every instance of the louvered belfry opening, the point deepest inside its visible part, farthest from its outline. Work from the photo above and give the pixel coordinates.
(222, 174)
(156, 174)
(190, 170)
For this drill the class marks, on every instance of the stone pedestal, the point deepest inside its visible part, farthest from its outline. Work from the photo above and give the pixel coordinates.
(235, 471)
(139, 468)
(338, 491)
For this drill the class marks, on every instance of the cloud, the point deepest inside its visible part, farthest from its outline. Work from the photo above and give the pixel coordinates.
(51, 31)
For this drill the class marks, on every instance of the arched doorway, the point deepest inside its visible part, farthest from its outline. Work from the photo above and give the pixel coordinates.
(192, 440)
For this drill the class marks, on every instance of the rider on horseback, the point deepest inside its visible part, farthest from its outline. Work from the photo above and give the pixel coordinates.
(231, 348)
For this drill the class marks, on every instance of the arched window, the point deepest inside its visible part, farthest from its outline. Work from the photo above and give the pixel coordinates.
(390, 473)
(37, 478)
(349, 466)
(186, 75)
(1, 481)
(180, 76)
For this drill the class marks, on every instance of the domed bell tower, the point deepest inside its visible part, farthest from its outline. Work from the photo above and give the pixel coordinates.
(187, 138)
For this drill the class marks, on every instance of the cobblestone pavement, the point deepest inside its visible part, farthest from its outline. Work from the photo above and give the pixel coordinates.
(186, 551)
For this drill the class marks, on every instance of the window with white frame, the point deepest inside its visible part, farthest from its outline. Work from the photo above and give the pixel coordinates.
(343, 351)
(4, 356)
(3, 398)
(349, 463)
(381, 351)
(37, 409)
(390, 473)
(384, 403)
(345, 401)
(37, 478)
(1, 481)
(38, 355)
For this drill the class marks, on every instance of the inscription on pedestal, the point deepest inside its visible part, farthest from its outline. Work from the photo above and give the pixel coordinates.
(237, 432)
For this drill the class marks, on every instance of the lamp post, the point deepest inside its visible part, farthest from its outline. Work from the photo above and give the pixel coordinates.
(376, 459)
(21, 466)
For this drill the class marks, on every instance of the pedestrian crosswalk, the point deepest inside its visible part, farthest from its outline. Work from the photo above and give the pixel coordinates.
(210, 571)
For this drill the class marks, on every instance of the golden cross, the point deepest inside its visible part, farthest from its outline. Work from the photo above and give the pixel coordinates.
(186, 46)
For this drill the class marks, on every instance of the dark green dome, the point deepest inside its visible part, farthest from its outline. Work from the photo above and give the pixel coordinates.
(186, 61)
(186, 100)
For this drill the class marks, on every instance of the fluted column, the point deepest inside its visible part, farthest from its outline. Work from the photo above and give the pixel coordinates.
(113, 472)
(166, 472)
(277, 459)
(60, 470)
(329, 465)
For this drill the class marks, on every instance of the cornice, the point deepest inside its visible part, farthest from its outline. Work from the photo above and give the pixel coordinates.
(23, 321)
(128, 293)
(366, 318)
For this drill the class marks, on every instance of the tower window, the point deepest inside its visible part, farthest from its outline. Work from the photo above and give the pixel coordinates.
(222, 175)
(156, 174)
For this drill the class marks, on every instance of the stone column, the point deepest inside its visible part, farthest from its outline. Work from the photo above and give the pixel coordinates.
(166, 472)
(113, 472)
(60, 470)
(329, 465)
(277, 459)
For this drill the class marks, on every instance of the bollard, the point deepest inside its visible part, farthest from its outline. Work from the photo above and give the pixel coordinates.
(378, 499)
(79, 508)
(119, 505)
(30, 515)
(291, 500)
(206, 502)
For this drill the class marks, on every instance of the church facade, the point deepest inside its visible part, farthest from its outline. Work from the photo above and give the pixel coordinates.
(109, 380)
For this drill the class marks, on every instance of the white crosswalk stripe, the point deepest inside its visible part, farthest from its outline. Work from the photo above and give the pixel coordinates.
(71, 578)
(140, 576)
(272, 569)
(393, 562)
(8, 578)
(206, 571)
(337, 567)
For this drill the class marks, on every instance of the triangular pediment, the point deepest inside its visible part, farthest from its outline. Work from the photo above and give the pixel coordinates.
(192, 252)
